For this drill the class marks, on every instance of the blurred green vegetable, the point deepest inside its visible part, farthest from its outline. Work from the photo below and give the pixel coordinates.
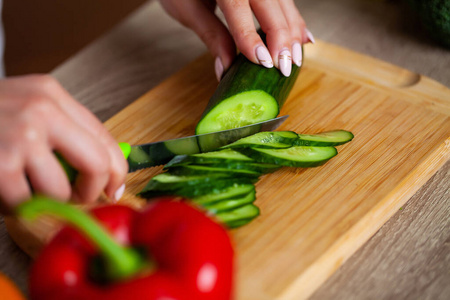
(435, 17)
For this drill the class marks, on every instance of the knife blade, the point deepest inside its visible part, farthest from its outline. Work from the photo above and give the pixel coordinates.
(158, 153)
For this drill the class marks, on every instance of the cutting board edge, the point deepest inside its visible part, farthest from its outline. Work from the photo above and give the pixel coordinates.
(321, 270)
(415, 86)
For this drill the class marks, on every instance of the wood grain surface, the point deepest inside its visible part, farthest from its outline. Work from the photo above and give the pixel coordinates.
(136, 56)
(392, 258)
(312, 220)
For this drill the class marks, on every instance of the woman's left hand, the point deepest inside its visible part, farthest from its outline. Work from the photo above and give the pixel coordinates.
(280, 19)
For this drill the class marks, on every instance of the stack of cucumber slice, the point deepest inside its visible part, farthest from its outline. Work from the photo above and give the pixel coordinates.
(222, 181)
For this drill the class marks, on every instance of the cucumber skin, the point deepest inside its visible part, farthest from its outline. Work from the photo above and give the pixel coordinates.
(193, 190)
(305, 142)
(301, 142)
(184, 160)
(244, 75)
(204, 169)
(256, 167)
(226, 194)
(239, 223)
(229, 204)
(261, 158)
(238, 217)
(272, 138)
(231, 165)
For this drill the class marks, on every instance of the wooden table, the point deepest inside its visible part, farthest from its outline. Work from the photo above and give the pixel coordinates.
(409, 257)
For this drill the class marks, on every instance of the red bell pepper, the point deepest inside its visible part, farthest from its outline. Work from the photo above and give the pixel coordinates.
(169, 250)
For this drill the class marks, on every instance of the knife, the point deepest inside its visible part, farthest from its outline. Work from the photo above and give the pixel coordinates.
(159, 153)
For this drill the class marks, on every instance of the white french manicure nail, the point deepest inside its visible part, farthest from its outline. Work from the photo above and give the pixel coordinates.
(310, 36)
(297, 54)
(119, 193)
(285, 62)
(218, 66)
(263, 56)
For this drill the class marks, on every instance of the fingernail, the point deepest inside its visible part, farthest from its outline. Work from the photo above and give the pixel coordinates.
(119, 193)
(263, 56)
(219, 68)
(310, 36)
(297, 54)
(285, 62)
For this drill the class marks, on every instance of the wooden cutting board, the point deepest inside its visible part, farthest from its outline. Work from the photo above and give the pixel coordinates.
(311, 220)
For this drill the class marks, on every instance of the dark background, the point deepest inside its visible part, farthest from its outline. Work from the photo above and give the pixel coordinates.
(40, 35)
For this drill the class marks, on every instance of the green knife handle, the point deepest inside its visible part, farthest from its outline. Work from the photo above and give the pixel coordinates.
(126, 149)
(72, 173)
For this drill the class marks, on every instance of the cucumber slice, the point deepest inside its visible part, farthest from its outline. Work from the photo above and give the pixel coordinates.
(189, 190)
(329, 138)
(239, 223)
(234, 191)
(169, 182)
(207, 170)
(235, 165)
(298, 156)
(227, 154)
(230, 204)
(233, 218)
(271, 139)
(228, 159)
(221, 156)
(256, 167)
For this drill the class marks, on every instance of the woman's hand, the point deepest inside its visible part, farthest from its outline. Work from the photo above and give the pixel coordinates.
(279, 19)
(38, 117)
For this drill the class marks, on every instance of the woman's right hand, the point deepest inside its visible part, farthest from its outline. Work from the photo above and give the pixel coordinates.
(37, 118)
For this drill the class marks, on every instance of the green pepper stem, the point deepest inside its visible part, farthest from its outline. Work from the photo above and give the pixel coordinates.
(121, 261)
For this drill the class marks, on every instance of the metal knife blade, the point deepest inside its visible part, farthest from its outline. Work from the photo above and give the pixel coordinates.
(158, 153)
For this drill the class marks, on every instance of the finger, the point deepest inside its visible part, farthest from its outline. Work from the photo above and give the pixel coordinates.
(278, 36)
(239, 17)
(46, 175)
(84, 153)
(118, 166)
(296, 27)
(14, 186)
(201, 19)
